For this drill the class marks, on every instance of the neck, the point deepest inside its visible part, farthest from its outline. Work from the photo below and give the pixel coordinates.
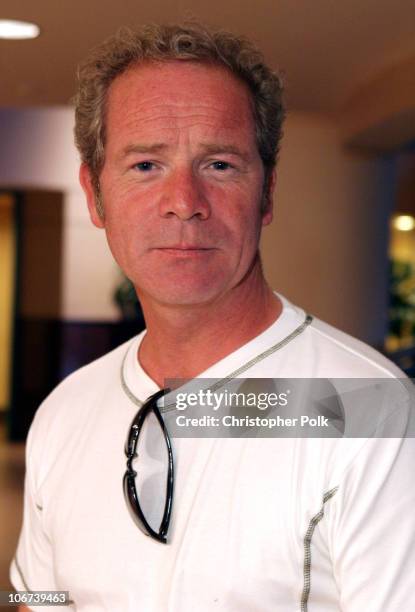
(182, 342)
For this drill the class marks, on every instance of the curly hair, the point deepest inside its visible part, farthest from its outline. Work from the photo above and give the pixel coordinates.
(189, 41)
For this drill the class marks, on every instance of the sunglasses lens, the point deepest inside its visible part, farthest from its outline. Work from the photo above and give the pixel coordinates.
(151, 465)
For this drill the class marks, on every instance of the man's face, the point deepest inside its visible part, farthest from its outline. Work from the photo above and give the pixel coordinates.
(182, 181)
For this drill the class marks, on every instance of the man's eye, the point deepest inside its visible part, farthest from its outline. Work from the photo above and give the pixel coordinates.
(144, 166)
(221, 165)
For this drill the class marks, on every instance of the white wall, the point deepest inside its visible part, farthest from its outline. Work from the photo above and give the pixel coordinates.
(326, 249)
(37, 151)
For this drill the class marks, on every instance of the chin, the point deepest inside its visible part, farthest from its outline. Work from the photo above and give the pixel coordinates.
(182, 295)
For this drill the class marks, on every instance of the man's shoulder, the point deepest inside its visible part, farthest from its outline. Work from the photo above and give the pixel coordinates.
(108, 365)
(83, 386)
(323, 351)
(352, 356)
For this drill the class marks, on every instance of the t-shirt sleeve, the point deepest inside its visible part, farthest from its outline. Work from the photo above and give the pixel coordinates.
(371, 528)
(32, 565)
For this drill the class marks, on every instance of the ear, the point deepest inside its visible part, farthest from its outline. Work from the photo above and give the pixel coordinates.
(85, 178)
(268, 211)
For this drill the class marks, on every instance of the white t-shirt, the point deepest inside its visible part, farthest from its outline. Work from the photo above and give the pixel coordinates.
(258, 525)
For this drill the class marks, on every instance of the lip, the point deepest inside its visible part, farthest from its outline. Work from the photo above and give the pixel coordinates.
(185, 250)
(184, 247)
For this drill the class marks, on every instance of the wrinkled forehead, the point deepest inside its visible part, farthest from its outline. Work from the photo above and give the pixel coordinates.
(178, 94)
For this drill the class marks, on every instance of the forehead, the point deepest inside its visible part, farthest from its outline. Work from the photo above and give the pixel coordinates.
(178, 94)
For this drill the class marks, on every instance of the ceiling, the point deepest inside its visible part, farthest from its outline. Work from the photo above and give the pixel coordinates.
(327, 49)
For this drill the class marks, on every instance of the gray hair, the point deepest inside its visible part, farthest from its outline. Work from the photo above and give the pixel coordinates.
(174, 42)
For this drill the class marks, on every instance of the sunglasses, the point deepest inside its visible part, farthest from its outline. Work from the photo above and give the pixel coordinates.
(129, 481)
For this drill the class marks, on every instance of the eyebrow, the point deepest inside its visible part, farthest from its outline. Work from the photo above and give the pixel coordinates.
(208, 148)
(137, 148)
(214, 149)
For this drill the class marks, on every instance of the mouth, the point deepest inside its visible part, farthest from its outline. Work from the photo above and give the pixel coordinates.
(185, 250)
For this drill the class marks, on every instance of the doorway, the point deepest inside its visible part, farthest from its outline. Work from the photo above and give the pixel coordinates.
(34, 289)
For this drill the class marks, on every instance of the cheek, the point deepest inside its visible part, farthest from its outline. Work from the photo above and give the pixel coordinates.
(118, 245)
(243, 223)
(121, 200)
(237, 204)
(130, 216)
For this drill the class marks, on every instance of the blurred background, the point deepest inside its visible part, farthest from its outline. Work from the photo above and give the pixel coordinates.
(342, 244)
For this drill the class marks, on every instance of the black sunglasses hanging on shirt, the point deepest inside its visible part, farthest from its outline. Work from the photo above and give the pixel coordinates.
(130, 491)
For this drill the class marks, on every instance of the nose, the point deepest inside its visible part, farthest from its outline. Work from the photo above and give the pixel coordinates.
(183, 196)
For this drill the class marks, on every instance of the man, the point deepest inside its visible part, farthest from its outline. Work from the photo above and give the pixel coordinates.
(178, 130)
